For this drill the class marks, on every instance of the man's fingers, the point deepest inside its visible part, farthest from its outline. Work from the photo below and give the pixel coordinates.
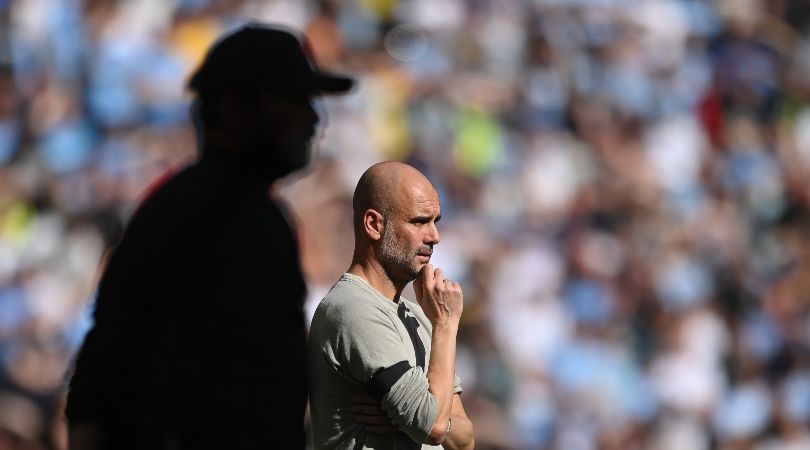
(427, 274)
(368, 413)
(438, 277)
(425, 278)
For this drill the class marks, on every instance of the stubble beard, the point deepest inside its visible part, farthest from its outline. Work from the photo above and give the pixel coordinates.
(397, 259)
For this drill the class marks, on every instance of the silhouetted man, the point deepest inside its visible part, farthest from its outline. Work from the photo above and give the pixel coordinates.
(383, 367)
(199, 338)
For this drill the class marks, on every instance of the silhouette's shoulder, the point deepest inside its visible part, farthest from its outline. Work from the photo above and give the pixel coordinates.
(174, 186)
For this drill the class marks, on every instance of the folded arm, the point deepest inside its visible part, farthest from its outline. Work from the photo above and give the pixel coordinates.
(462, 433)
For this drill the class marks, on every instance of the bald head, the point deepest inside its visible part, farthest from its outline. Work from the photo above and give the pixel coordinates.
(395, 213)
(384, 187)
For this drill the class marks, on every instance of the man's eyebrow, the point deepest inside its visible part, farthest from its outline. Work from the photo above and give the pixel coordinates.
(425, 218)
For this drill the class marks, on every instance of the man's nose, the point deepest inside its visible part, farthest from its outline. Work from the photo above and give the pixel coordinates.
(432, 237)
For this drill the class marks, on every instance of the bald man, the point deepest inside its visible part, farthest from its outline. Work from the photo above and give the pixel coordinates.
(382, 366)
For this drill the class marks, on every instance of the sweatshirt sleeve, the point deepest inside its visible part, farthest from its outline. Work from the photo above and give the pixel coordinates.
(368, 343)
(410, 406)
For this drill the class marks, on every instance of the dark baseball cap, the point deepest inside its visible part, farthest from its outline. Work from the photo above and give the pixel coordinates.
(258, 56)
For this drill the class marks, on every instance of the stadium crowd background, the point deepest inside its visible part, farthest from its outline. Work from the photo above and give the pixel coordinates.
(624, 187)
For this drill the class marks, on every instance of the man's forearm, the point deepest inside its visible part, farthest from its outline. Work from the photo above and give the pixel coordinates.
(441, 374)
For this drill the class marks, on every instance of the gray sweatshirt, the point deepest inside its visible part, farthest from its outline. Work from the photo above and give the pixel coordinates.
(361, 342)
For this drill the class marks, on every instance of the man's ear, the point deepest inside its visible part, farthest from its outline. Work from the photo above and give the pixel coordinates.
(373, 224)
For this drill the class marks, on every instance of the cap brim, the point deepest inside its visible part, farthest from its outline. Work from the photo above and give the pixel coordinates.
(328, 83)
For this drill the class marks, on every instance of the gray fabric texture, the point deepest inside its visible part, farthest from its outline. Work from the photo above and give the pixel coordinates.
(355, 334)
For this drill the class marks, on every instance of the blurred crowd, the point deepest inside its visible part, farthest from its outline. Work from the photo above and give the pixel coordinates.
(624, 187)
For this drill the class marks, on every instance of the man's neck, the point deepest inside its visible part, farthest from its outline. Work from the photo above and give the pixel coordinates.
(373, 273)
